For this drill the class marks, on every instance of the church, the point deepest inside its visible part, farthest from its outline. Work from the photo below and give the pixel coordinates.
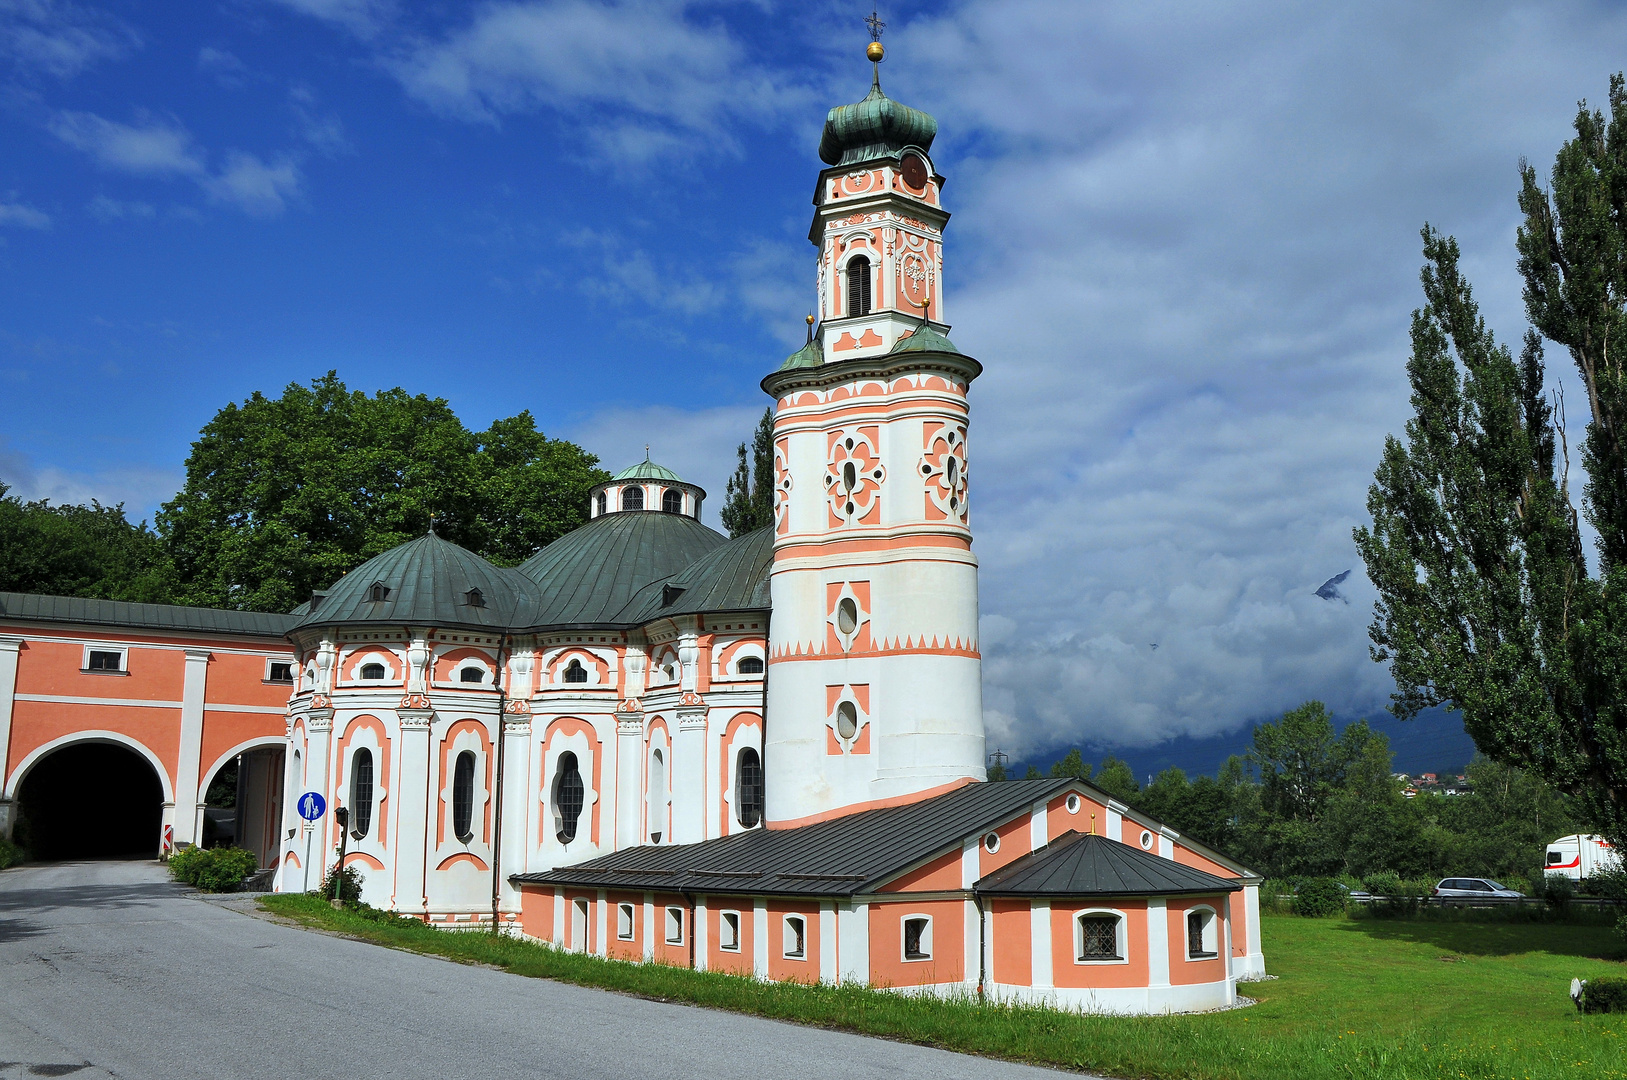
(761, 755)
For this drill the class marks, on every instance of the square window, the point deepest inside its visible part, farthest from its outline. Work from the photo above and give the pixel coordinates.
(624, 922)
(1200, 935)
(795, 938)
(917, 937)
(279, 671)
(1098, 937)
(675, 926)
(111, 660)
(728, 934)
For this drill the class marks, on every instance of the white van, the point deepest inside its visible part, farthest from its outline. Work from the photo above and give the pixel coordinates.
(1577, 856)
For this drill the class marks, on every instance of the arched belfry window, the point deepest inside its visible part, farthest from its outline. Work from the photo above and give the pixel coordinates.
(361, 793)
(858, 286)
(575, 672)
(632, 497)
(672, 502)
(463, 797)
(568, 797)
(748, 787)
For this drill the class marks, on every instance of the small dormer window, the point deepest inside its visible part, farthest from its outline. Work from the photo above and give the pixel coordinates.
(372, 671)
(474, 598)
(672, 502)
(632, 498)
(378, 592)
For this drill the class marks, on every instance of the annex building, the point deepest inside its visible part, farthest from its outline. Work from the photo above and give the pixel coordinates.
(762, 755)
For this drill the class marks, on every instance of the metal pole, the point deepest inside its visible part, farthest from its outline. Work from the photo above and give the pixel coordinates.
(342, 816)
(306, 884)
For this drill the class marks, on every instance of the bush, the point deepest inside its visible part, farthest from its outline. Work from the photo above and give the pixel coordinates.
(1319, 898)
(1383, 883)
(219, 869)
(1557, 889)
(350, 883)
(1604, 995)
(10, 854)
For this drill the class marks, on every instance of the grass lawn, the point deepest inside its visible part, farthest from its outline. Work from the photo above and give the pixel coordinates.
(1355, 998)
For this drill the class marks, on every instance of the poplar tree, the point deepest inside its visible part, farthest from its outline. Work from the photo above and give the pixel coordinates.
(1487, 602)
(749, 496)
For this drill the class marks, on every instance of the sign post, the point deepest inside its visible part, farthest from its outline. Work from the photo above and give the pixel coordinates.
(311, 807)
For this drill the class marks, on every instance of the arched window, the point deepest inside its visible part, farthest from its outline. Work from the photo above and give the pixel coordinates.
(632, 497)
(750, 665)
(672, 502)
(858, 286)
(604, 502)
(1097, 937)
(567, 800)
(575, 672)
(1201, 943)
(471, 674)
(372, 671)
(463, 797)
(748, 787)
(361, 793)
(658, 796)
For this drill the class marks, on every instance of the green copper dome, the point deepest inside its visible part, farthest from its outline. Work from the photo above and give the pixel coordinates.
(925, 339)
(648, 470)
(876, 127)
(810, 355)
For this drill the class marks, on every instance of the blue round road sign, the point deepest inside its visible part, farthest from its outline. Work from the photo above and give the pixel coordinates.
(312, 805)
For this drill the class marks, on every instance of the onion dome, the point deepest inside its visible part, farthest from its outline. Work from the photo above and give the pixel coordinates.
(425, 582)
(874, 128)
(925, 339)
(586, 577)
(647, 470)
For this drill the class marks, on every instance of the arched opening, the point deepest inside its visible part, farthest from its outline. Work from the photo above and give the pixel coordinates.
(243, 803)
(672, 502)
(632, 498)
(91, 800)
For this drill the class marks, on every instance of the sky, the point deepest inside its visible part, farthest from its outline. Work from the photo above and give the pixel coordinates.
(1185, 248)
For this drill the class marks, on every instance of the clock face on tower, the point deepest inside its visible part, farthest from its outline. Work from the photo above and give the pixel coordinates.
(914, 170)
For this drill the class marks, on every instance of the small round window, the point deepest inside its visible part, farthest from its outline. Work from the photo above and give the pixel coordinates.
(991, 843)
(847, 616)
(1146, 840)
(1073, 804)
(847, 720)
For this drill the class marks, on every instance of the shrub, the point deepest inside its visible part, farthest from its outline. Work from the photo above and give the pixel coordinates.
(1557, 889)
(1319, 898)
(350, 883)
(10, 854)
(1604, 995)
(219, 869)
(1383, 883)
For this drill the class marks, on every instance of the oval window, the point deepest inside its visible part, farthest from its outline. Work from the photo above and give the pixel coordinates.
(850, 476)
(991, 843)
(1073, 804)
(1146, 840)
(463, 796)
(847, 615)
(952, 469)
(847, 720)
(568, 797)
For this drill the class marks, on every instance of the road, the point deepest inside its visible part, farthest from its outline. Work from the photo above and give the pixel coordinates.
(109, 970)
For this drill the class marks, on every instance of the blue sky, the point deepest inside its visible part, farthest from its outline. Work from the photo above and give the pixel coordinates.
(1185, 247)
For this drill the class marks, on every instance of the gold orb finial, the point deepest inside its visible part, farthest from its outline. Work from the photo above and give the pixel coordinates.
(875, 52)
(810, 320)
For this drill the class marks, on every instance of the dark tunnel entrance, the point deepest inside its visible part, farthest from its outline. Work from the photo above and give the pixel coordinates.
(90, 801)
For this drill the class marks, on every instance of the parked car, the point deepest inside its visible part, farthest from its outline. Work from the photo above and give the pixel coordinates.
(1473, 886)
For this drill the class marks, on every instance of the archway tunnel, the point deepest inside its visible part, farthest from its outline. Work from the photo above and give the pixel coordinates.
(90, 800)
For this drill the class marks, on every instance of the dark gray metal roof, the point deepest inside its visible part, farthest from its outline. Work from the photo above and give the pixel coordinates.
(589, 575)
(855, 853)
(1083, 864)
(732, 577)
(31, 607)
(428, 582)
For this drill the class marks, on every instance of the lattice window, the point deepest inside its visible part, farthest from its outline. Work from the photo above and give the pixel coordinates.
(748, 787)
(672, 502)
(632, 498)
(568, 797)
(1099, 937)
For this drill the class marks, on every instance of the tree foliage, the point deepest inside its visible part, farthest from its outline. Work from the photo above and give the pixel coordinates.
(71, 550)
(749, 496)
(284, 495)
(1486, 600)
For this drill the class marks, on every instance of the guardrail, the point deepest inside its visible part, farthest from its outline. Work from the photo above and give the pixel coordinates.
(1477, 901)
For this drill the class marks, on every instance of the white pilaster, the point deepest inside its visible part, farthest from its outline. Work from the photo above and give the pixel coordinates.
(516, 805)
(649, 927)
(412, 810)
(629, 779)
(689, 794)
(1039, 914)
(827, 942)
(1157, 942)
(560, 904)
(9, 650)
(603, 920)
(1038, 834)
(188, 784)
(703, 935)
(759, 937)
(853, 944)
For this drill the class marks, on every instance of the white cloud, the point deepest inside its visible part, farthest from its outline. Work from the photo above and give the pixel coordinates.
(106, 209)
(163, 148)
(141, 490)
(629, 73)
(324, 131)
(26, 217)
(224, 66)
(61, 39)
(363, 18)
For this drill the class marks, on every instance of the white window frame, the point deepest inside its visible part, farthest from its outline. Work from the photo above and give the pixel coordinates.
(1073, 803)
(1146, 840)
(293, 670)
(675, 925)
(788, 937)
(1079, 937)
(485, 680)
(991, 843)
(926, 938)
(1211, 932)
(124, 660)
(624, 922)
(726, 920)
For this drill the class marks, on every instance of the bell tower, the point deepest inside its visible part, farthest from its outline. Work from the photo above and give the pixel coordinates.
(874, 679)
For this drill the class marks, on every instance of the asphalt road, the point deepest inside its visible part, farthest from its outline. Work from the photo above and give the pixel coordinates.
(109, 970)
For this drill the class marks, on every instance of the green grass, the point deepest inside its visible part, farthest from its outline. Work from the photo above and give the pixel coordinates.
(1366, 998)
